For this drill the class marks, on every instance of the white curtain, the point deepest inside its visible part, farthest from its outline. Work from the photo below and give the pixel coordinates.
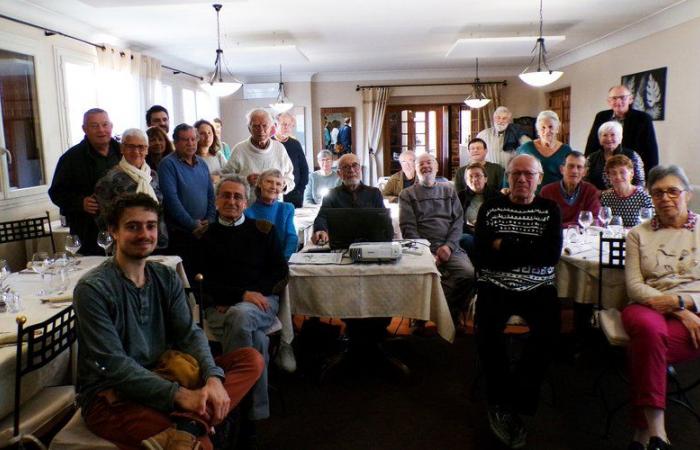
(373, 107)
(149, 80)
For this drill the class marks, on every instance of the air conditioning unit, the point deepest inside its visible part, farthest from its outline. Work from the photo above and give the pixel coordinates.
(260, 90)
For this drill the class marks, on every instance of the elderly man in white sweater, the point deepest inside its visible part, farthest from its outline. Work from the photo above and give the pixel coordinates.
(259, 153)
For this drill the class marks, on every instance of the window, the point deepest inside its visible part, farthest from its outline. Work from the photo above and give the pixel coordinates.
(79, 81)
(206, 108)
(164, 97)
(20, 136)
(189, 106)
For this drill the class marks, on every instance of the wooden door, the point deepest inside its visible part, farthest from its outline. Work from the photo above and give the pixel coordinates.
(559, 101)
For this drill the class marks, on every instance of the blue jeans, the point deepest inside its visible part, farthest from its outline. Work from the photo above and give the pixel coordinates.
(244, 325)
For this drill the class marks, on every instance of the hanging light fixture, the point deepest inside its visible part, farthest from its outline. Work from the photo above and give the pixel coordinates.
(282, 104)
(216, 85)
(543, 76)
(477, 98)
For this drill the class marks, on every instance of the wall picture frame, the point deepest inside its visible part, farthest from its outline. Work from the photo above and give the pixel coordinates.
(332, 121)
(648, 91)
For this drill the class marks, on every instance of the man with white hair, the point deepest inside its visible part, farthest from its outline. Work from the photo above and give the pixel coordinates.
(258, 153)
(518, 243)
(503, 137)
(286, 123)
(637, 127)
(431, 210)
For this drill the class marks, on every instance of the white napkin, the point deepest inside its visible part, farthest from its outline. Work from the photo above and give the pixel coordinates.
(575, 248)
(59, 298)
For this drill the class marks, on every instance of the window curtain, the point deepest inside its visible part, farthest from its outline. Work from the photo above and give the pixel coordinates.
(492, 91)
(149, 80)
(373, 108)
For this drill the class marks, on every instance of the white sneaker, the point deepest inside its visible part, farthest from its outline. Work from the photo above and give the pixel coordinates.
(285, 358)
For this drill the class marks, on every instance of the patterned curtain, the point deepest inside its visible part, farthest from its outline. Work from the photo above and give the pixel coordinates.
(492, 91)
(373, 108)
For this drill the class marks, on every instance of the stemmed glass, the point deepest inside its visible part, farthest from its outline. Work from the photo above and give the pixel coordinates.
(616, 226)
(585, 219)
(72, 244)
(604, 216)
(104, 240)
(4, 272)
(40, 262)
(645, 214)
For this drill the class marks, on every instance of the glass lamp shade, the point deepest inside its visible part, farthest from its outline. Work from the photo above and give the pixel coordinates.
(281, 106)
(475, 103)
(221, 88)
(541, 78)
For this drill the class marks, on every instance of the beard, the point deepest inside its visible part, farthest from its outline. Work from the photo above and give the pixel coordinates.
(500, 127)
(351, 182)
(426, 179)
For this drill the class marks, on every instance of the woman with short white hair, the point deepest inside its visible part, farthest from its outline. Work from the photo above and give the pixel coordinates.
(322, 180)
(610, 138)
(547, 148)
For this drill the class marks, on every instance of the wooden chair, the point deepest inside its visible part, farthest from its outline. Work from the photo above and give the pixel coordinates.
(37, 346)
(26, 229)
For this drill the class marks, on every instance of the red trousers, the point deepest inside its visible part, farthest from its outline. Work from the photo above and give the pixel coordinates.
(655, 342)
(128, 423)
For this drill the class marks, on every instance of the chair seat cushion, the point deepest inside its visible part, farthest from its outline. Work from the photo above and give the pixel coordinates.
(611, 324)
(76, 436)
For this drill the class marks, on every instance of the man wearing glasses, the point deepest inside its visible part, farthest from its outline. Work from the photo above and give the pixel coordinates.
(518, 243)
(637, 127)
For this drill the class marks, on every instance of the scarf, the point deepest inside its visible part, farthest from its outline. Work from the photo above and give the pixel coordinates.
(141, 176)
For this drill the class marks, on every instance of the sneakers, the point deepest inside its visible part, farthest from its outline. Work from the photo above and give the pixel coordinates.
(656, 443)
(171, 439)
(285, 358)
(508, 428)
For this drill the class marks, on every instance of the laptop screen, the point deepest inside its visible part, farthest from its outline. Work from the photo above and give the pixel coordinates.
(351, 225)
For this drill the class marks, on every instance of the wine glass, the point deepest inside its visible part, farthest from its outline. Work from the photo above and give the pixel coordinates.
(616, 226)
(585, 219)
(72, 244)
(40, 262)
(4, 272)
(604, 216)
(104, 240)
(645, 214)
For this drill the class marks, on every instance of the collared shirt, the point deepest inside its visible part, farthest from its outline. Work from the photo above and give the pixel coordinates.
(689, 223)
(195, 158)
(569, 199)
(228, 223)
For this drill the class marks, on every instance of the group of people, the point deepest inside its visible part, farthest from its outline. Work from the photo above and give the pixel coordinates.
(337, 137)
(142, 355)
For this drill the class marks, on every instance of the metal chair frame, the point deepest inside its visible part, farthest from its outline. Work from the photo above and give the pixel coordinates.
(26, 229)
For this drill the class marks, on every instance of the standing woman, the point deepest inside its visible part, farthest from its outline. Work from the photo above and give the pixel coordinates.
(547, 148)
(662, 275)
(159, 146)
(225, 148)
(208, 147)
(268, 207)
(624, 199)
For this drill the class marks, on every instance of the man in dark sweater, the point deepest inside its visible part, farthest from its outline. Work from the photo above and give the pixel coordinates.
(518, 243)
(244, 274)
(77, 172)
(285, 135)
(637, 127)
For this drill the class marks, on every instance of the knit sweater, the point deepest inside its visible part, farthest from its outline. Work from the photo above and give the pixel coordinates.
(433, 213)
(281, 215)
(588, 199)
(626, 207)
(550, 164)
(188, 194)
(318, 182)
(494, 176)
(247, 158)
(530, 246)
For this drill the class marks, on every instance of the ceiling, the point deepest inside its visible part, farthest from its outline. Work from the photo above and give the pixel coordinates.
(311, 37)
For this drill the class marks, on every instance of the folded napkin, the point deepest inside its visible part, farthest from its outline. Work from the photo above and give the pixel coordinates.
(58, 298)
(575, 248)
(8, 338)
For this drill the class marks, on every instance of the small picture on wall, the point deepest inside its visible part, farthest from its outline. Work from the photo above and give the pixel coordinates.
(648, 91)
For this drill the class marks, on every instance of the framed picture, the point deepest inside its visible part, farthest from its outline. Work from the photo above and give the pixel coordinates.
(648, 91)
(337, 130)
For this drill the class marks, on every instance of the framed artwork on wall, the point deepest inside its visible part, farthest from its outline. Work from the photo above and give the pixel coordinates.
(337, 130)
(648, 91)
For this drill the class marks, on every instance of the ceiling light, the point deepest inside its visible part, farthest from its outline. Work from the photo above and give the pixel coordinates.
(543, 76)
(282, 104)
(216, 85)
(477, 98)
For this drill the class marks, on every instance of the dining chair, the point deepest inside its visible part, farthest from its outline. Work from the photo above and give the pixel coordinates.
(26, 229)
(37, 346)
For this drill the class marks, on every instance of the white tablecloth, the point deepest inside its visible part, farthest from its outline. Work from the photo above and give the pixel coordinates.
(27, 285)
(407, 288)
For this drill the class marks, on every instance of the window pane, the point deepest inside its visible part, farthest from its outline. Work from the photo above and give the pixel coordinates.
(20, 120)
(420, 127)
(164, 97)
(80, 95)
(420, 139)
(420, 116)
(432, 131)
(404, 127)
(404, 139)
(404, 115)
(420, 149)
(465, 125)
(189, 106)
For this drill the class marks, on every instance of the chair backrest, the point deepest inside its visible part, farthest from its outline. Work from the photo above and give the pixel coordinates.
(25, 229)
(611, 255)
(44, 342)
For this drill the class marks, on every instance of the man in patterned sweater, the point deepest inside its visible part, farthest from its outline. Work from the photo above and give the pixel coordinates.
(518, 243)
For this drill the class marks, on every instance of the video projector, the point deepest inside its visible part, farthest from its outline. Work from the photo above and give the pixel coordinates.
(375, 251)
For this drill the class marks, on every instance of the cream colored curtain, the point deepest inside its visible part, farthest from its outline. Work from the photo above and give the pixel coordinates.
(492, 91)
(149, 79)
(373, 108)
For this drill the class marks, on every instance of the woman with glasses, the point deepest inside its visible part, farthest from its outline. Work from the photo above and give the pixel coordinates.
(132, 174)
(322, 180)
(662, 274)
(547, 148)
(624, 199)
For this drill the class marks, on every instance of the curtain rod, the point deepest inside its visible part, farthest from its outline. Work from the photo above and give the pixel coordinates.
(504, 83)
(50, 32)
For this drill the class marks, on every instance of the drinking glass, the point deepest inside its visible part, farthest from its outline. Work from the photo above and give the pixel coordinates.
(645, 214)
(604, 216)
(4, 272)
(72, 244)
(40, 262)
(104, 240)
(616, 226)
(585, 219)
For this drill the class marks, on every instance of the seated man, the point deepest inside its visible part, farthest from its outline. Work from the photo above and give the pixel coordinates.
(571, 193)
(132, 317)
(477, 154)
(403, 178)
(432, 211)
(518, 243)
(244, 274)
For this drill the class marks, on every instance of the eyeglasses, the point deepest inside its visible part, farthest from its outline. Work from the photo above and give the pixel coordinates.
(618, 97)
(353, 166)
(229, 196)
(526, 174)
(673, 192)
(132, 147)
